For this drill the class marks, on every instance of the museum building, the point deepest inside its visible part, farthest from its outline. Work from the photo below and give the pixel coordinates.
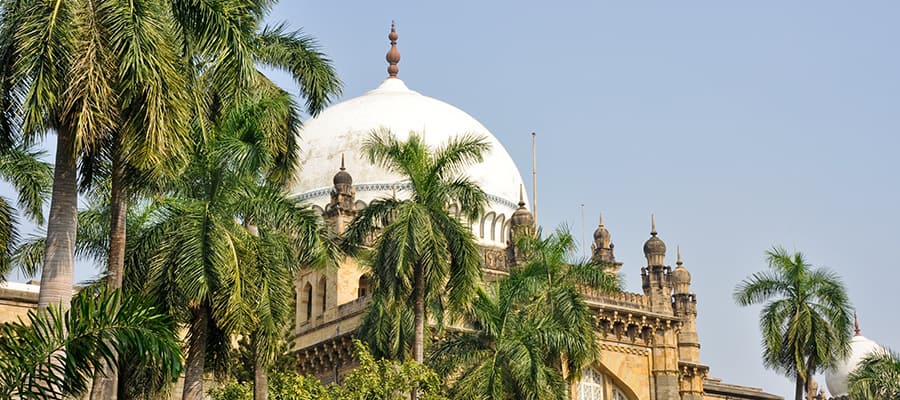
(649, 340)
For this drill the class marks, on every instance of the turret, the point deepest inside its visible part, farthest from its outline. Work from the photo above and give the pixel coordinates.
(602, 249)
(655, 276)
(340, 211)
(521, 223)
(684, 305)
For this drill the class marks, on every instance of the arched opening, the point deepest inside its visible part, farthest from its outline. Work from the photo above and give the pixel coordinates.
(318, 210)
(363, 290)
(486, 222)
(323, 293)
(598, 382)
(307, 298)
(590, 387)
(497, 228)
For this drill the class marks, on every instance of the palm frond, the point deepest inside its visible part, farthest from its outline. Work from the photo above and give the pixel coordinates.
(54, 354)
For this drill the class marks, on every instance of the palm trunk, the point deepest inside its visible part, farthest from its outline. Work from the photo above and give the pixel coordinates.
(196, 358)
(798, 393)
(260, 376)
(419, 339)
(59, 259)
(419, 321)
(106, 382)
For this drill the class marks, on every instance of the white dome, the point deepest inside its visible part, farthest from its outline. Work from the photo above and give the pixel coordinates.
(342, 128)
(836, 378)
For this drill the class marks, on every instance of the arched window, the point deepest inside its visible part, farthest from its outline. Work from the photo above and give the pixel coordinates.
(323, 295)
(590, 387)
(486, 222)
(363, 290)
(497, 228)
(618, 394)
(308, 299)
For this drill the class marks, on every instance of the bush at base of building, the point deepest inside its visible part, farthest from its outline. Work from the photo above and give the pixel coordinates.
(373, 379)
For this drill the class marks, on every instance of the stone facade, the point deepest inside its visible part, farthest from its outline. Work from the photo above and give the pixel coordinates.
(649, 341)
(16, 299)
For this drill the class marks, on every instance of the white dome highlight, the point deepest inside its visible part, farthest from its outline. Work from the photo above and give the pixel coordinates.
(836, 378)
(342, 128)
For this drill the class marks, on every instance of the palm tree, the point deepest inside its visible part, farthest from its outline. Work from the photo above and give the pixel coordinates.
(55, 354)
(31, 178)
(806, 319)
(87, 70)
(876, 377)
(527, 325)
(232, 239)
(423, 255)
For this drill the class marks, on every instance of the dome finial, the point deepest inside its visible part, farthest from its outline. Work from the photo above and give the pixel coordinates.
(343, 168)
(393, 55)
(652, 225)
(856, 324)
(521, 196)
(678, 252)
(601, 219)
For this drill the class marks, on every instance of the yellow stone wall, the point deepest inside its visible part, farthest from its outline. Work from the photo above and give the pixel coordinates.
(629, 366)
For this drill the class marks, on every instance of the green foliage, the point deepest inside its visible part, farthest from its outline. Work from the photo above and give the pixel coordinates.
(525, 325)
(55, 353)
(233, 390)
(423, 258)
(877, 377)
(372, 380)
(31, 179)
(806, 318)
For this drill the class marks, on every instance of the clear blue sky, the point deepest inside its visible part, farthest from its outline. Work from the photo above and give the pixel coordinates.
(740, 125)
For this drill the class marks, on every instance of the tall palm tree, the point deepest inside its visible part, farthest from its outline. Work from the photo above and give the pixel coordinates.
(423, 255)
(806, 319)
(31, 178)
(87, 70)
(232, 237)
(526, 325)
(877, 377)
(32, 365)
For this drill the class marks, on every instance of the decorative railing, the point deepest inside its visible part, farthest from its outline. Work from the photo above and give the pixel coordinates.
(621, 299)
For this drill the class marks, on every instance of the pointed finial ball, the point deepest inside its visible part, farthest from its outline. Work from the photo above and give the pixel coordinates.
(393, 35)
(342, 177)
(393, 55)
(652, 225)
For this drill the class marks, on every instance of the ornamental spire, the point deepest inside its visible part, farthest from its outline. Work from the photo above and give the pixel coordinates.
(393, 55)
(342, 163)
(678, 251)
(652, 225)
(521, 196)
(856, 324)
(601, 219)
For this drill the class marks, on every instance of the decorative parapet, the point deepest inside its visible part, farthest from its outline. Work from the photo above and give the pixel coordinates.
(621, 299)
(636, 327)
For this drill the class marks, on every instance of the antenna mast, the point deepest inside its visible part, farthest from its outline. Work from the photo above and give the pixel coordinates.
(534, 204)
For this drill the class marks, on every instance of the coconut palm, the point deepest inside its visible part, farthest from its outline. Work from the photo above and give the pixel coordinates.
(232, 238)
(806, 319)
(527, 325)
(54, 354)
(877, 377)
(84, 70)
(423, 255)
(31, 178)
